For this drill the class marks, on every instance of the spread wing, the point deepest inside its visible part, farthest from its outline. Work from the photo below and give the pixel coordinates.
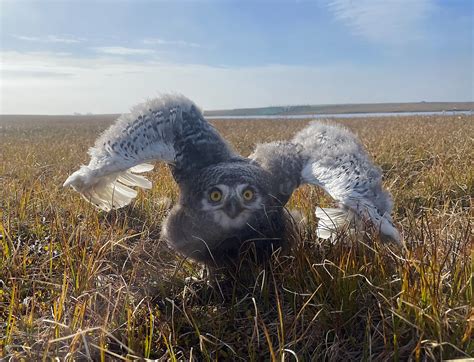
(331, 157)
(170, 128)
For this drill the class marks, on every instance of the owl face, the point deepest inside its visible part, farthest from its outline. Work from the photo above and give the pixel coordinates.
(231, 206)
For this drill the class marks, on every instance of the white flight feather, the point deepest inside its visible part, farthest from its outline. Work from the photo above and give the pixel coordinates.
(330, 220)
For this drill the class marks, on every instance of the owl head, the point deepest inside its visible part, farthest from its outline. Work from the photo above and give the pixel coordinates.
(230, 194)
(231, 205)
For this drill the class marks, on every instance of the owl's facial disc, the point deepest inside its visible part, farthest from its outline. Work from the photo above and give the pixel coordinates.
(231, 206)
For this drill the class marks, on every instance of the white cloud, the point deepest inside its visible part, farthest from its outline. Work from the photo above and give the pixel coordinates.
(390, 21)
(50, 83)
(112, 50)
(158, 41)
(50, 39)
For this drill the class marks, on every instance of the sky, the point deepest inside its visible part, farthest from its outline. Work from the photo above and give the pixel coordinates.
(62, 57)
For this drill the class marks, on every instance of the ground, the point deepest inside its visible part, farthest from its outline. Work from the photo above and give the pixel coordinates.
(77, 283)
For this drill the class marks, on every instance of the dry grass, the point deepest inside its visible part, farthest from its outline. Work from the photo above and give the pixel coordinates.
(78, 284)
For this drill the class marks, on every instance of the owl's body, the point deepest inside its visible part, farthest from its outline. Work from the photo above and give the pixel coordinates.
(228, 201)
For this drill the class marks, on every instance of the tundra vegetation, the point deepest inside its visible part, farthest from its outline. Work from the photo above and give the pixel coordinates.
(76, 283)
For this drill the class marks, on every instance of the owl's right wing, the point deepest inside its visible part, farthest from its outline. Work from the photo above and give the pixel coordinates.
(170, 128)
(331, 157)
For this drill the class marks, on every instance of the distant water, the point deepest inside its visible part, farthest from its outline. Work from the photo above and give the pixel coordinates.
(348, 115)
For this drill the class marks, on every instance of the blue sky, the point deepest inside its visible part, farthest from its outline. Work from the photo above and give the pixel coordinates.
(104, 56)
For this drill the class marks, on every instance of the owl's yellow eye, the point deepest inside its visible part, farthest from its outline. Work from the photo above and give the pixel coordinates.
(247, 194)
(215, 195)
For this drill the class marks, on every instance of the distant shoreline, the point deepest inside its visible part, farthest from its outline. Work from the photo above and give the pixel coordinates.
(327, 110)
(345, 109)
(344, 115)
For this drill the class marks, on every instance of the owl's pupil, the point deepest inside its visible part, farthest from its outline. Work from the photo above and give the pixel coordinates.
(248, 195)
(215, 196)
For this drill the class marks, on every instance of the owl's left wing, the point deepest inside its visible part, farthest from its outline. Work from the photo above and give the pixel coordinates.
(331, 157)
(170, 128)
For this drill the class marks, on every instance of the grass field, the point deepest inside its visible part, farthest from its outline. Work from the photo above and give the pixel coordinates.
(77, 283)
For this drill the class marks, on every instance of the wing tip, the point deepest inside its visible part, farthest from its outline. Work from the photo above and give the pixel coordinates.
(79, 179)
(109, 191)
(332, 220)
(389, 233)
(68, 182)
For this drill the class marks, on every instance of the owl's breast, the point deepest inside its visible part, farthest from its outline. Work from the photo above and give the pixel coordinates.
(218, 242)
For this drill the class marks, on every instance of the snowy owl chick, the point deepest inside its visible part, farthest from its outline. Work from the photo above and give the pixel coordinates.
(227, 201)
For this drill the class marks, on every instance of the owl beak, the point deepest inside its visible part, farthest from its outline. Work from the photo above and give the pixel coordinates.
(233, 209)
